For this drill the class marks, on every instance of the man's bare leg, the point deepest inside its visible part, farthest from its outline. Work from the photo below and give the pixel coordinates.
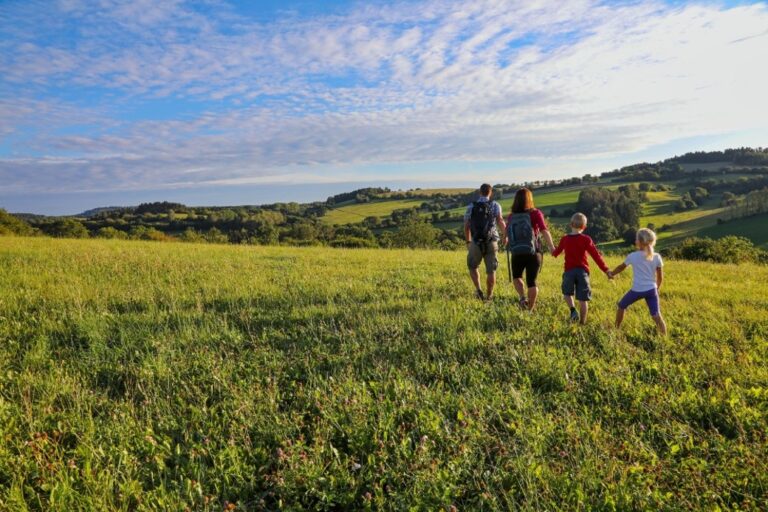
(474, 274)
(490, 282)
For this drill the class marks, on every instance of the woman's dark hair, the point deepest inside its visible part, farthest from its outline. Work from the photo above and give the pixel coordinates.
(523, 201)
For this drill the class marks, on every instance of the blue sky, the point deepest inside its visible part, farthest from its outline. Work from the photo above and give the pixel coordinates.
(107, 102)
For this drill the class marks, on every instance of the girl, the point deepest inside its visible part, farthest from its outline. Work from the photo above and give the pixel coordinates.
(646, 278)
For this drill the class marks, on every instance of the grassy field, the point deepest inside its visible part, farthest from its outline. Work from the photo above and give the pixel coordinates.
(754, 228)
(562, 198)
(350, 213)
(151, 376)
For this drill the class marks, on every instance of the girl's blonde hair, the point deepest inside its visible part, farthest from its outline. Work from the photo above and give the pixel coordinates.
(646, 239)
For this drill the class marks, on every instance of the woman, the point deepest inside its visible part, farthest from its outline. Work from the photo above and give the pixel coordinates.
(524, 227)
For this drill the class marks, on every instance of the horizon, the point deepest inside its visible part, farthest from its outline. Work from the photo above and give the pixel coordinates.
(74, 203)
(190, 102)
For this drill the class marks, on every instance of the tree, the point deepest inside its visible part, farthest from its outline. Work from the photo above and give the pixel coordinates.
(66, 228)
(729, 249)
(191, 236)
(216, 236)
(610, 212)
(629, 236)
(148, 233)
(699, 195)
(415, 234)
(11, 225)
(110, 232)
(601, 227)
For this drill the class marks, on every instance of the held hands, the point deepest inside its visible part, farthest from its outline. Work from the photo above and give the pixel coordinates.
(609, 274)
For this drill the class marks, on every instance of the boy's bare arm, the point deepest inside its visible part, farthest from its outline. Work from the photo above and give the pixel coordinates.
(659, 277)
(592, 250)
(558, 249)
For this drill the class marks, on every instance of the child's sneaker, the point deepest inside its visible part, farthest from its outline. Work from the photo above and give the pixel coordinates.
(574, 315)
(523, 303)
(479, 294)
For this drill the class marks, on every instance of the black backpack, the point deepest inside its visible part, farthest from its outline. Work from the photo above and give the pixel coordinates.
(482, 222)
(520, 235)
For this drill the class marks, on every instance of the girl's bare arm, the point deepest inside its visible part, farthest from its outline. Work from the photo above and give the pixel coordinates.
(619, 269)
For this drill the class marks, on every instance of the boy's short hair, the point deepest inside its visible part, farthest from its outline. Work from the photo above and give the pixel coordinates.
(578, 220)
(485, 189)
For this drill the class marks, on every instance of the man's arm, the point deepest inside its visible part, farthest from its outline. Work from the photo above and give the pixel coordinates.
(502, 227)
(467, 234)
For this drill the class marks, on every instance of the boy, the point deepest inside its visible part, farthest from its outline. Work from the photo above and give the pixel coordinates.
(576, 276)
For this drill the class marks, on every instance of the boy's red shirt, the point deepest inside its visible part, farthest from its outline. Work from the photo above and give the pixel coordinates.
(576, 248)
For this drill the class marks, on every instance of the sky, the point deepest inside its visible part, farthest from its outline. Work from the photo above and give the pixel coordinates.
(216, 102)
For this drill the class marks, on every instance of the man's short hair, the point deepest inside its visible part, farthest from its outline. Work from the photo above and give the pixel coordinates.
(578, 220)
(485, 189)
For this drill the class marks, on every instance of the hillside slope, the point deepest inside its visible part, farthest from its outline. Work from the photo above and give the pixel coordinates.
(141, 376)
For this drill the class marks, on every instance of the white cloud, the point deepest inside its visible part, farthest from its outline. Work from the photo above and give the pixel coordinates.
(441, 80)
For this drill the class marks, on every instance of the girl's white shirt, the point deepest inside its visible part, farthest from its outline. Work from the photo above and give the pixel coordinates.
(643, 270)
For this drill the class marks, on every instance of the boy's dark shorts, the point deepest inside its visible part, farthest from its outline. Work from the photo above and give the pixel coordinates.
(577, 279)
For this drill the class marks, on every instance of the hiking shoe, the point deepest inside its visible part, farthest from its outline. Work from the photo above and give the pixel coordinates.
(574, 316)
(479, 294)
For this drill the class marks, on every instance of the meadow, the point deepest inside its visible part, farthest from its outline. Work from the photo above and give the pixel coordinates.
(351, 212)
(150, 376)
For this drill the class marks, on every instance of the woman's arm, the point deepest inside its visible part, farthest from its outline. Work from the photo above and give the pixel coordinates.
(548, 238)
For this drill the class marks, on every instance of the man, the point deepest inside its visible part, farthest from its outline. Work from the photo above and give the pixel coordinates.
(482, 222)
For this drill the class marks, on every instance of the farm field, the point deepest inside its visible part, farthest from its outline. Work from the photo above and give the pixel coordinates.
(754, 228)
(356, 212)
(152, 376)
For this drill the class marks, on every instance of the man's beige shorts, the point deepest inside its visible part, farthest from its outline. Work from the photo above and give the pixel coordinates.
(475, 256)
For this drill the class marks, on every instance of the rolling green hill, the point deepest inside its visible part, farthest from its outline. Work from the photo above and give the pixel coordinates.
(660, 209)
(755, 228)
(351, 212)
(148, 376)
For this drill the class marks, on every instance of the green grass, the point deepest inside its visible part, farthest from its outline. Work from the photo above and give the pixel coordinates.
(352, 212)
(561, 198)
(755, 228)
(150, 376)
(660, 211)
